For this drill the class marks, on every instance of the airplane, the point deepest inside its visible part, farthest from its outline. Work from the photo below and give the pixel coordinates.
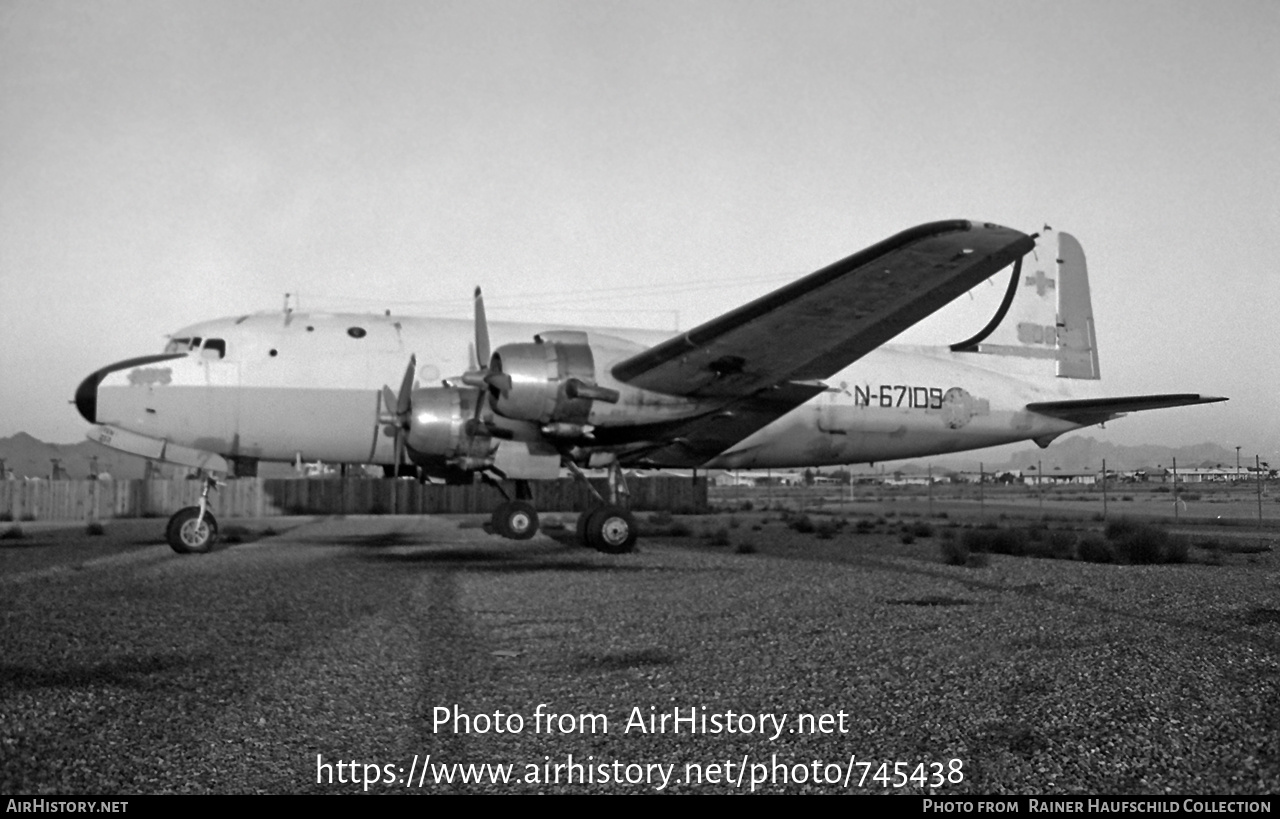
(800, 377)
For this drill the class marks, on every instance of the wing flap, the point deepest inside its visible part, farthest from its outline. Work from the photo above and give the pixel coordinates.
(1089, 411)
(818, 325)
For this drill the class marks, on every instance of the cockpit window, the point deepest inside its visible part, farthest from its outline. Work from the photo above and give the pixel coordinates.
(182, 345)
(215, 349)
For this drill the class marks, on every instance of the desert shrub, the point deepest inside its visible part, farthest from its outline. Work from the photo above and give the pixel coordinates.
(757, 527)
(1095, 549)
(954, 552)
(13, 533)
(997, 541)
(28, 516)
(720, 537)
(1190, 496)
(679, 528)
(922, 529)
(6, 517)
(747, 506)
(907, 538)
(1163, 489)
(94, 528)
(746, 547)
(1126, 497)
(1054, 544)
(661, 518)
(1176, 549)
(1138, 542)
(802, 524)
(827, 529)
(864, 527)
(734, 523)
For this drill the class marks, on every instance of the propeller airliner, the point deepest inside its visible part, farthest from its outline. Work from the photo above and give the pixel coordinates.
(801, 377)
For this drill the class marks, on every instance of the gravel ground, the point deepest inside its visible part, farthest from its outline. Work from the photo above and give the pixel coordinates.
(125, 668)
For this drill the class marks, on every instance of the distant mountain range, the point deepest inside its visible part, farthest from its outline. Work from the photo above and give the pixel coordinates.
(1080, 453)
(28, 457)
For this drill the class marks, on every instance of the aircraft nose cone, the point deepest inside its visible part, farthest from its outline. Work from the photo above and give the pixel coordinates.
(87, 396)
(86, 399)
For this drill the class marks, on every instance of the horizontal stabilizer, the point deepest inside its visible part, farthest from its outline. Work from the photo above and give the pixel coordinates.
(1089, 411)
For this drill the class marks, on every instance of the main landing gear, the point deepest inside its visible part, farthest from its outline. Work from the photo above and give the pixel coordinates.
(606, 525)
(193, 529)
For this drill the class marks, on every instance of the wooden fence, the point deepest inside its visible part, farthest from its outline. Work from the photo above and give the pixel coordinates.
(268, 497)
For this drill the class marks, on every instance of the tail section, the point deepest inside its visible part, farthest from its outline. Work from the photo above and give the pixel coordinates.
(1047, 313)
(1046, 321)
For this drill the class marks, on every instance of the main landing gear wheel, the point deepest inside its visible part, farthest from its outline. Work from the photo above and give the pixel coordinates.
(188, 533)
(609, 529)
(517, 520)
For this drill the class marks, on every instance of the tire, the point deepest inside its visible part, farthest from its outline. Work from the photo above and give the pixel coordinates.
(583, 519)
(186, 537)
(611, 530)
(519, 520)
(497, 520)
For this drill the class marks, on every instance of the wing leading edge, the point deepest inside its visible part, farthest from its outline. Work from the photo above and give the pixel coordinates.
(818, 325)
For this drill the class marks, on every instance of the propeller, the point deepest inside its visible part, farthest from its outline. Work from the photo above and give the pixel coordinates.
(396, 410)
(480, 375)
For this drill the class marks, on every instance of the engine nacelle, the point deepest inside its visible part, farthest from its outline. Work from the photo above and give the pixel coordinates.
(549, 381)
(440, 426)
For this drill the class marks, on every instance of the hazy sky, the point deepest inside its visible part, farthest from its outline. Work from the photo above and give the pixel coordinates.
(631, 163)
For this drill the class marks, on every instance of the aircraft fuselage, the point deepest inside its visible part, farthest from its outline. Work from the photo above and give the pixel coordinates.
(279, 386)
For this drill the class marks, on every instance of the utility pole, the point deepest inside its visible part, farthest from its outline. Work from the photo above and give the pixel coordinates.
(1175, 488)
(1257, 463)
(930, 490)
(1104, 489)
(982, 497)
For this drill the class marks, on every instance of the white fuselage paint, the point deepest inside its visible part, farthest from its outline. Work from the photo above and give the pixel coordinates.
(303, 385)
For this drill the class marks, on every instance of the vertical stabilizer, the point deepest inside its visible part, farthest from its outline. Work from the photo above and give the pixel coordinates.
(1077, 343)
(1047, 314)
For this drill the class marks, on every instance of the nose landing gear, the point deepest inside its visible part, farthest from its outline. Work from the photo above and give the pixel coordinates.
(193, 529)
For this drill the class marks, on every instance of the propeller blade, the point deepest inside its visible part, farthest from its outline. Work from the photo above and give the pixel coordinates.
(405, 399)
(482, 332)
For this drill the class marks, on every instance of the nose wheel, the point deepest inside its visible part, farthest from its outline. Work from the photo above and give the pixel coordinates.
(189, 532)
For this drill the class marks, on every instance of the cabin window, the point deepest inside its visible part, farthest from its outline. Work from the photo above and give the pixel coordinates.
(356, 332)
